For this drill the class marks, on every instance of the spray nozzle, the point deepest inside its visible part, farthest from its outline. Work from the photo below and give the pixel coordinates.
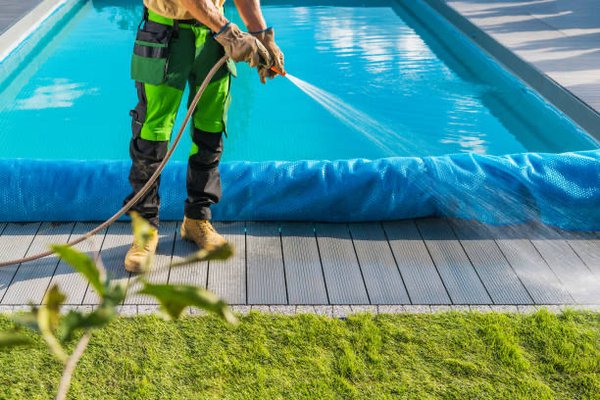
(278, 72)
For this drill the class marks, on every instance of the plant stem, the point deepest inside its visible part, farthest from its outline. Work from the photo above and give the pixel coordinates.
(65, 380)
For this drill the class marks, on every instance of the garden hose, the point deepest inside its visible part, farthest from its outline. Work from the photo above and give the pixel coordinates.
(148, 184)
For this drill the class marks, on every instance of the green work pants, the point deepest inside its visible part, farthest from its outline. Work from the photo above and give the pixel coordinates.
(167, 56)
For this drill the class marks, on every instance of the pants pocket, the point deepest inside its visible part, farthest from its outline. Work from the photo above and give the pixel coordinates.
(151, 53)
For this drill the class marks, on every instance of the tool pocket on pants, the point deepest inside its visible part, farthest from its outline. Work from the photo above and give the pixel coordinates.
(151, 53)
(138, 114)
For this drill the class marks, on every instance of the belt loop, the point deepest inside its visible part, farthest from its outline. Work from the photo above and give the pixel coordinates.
(176, 25)
(175, 28)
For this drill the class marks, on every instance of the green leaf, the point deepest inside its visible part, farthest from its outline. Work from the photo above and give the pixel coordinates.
(43, 320)
(14, 339)
(142, 234)
(114, 293)
(74, 320)
(142, 230)
(175, 298)
(48, 313)
(81, 263)
(221, 253)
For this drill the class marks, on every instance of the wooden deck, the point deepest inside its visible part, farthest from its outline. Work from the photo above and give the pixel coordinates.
(421, 263)
(418, 262)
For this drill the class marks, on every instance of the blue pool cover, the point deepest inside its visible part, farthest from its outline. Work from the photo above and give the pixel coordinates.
(558, 189)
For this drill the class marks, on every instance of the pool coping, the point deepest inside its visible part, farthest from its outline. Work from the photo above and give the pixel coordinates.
(578, 110)
(22, 29)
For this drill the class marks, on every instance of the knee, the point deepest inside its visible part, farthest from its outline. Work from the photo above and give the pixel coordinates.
(207, 148)
(147, 151)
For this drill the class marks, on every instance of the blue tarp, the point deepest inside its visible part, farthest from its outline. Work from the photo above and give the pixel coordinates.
(558, 189)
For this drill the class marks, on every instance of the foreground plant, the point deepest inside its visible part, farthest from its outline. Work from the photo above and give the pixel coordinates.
(56, 328)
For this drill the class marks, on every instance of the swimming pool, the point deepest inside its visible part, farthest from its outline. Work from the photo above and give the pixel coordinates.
(66, 98)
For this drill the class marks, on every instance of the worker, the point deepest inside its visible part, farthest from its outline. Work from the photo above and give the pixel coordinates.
(177, 43)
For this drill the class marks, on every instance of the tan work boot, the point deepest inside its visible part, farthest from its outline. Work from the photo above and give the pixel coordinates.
(138, 254)
(201, 232)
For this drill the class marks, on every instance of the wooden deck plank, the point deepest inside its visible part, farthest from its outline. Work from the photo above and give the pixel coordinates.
(541, 283)
(70, 282)
(420, 276)
(575, 276)
(192, 274)
(587, 247)
(160, 266)
(117, 241)
(458, 275)
(266, 275)
(31, 279)
(382, 277)
(343, 276)
(228, 278)
(14, 243)
(304, 273)
(497, 275)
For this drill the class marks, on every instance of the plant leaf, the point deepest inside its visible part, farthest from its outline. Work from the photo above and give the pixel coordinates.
(49, 312)
(81, 263)
(74, 320)
(142, 233)
(114, 293)
(48, 316)
(142, 230)
(174, 298)
(14, 339)
(221, 253)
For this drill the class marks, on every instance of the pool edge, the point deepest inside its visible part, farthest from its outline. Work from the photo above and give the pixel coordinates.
(560, 97)
(28, 24)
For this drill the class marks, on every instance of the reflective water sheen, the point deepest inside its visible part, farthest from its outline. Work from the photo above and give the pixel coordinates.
(381, 85)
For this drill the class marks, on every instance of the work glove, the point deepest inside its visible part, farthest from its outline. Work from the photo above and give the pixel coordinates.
(241, 46)
(267, 38)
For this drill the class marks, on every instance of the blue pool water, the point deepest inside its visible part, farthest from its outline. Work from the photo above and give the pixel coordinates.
(71, 97)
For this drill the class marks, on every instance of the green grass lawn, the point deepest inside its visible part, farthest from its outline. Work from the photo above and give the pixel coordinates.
(413, 356)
